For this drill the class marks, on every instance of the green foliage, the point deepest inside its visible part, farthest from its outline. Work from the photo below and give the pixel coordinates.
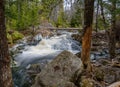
(9, 37)
(16, 36)
(76, 20)
(21, 14)
(105, 23)
(60, 20)
(48, 5)
(107, 4)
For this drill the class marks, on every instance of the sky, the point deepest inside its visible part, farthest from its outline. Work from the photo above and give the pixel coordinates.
(67, 4)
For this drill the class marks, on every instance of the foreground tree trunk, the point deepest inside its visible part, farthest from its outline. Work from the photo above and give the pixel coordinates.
(87, 34)
(5, 71)
(112, 30)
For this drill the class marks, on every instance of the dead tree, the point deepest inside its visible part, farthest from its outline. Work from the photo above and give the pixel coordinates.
(87, 33)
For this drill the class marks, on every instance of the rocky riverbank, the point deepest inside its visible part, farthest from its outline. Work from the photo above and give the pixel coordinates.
(61, 73)
(66, 71)
(105, 71)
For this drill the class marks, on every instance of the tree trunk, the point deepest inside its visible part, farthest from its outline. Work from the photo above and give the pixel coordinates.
(102, 13)
(112, 31)
(87, 34)
(5, 70)
(97, 16)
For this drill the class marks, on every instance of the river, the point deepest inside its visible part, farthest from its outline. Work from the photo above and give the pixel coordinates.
(46, 49)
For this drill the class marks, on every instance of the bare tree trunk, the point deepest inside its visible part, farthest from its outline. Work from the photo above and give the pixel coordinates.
(102, 13)
(97, 16)
(112, 31)
(87, 34)
(5, 70)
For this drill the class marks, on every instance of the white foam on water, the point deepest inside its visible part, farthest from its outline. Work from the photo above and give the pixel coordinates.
(53, 45)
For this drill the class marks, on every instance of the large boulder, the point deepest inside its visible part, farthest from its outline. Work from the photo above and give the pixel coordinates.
(116, 84)
(60, 72)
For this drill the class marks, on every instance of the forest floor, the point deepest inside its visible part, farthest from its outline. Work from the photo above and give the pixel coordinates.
(105, 70)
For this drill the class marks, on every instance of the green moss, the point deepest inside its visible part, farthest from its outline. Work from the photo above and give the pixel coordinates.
(86, 82)
(9, 37)
(16, 36)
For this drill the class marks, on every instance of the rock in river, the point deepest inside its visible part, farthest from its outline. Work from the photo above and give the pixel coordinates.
(60, 72)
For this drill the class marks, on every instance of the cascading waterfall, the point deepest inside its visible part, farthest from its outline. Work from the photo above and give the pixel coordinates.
(42, 51)
(47, 49)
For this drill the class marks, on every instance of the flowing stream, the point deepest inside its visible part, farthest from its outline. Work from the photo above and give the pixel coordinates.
(42, 51)
(46, 49)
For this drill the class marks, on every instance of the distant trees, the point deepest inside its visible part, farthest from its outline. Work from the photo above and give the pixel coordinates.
(74, 10)
(47, 7)
(87, 34)
(21, 14)
(97, 13)
(102, 14)
(109, 16)
(77, 14)
(5, 70)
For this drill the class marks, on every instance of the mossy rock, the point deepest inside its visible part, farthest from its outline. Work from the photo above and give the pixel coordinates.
(16, 36)
(9, 37)
(99, 74)
(86, 82)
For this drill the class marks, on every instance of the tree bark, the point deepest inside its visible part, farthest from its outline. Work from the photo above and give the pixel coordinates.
(112, 31)
(5, 70)
(102, 13)
(87, 34)
(97, 16)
